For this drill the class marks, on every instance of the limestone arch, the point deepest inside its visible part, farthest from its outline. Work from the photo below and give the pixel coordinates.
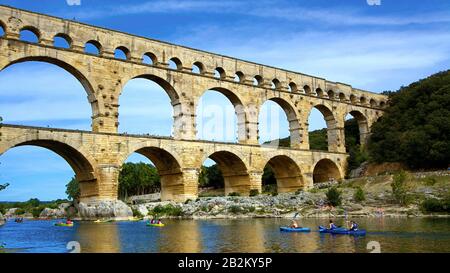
(168, 87)
(152, 57)
(325, 170)
(333, 137)
(287, 173)
(234, 171)
(64, 36)
(239, 108)
(292, 118)
(33, 30)
(87, 85)
(363, 124)
(168, 165)
(79, 160)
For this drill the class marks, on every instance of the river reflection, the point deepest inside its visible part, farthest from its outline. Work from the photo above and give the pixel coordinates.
(211, 236)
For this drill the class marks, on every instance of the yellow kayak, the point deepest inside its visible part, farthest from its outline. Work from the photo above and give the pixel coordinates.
(63, 225)
(102, 221)
(134, 219)
(155, 225)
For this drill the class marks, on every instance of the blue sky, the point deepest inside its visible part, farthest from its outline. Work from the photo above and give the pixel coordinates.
(370, 47)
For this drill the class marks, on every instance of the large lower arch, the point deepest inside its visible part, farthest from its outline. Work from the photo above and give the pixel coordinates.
(67, 67)
(294, 125)
(326, 170)
(81, 163)
(169, 170)
(287, 173)
(333, 132)
(239, 110)
(363, 126)
(234, 171)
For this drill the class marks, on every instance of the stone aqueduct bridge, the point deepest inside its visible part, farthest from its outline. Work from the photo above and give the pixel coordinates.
(96, 156)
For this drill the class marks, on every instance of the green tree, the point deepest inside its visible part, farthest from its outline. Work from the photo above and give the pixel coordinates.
(138, 179)
(359, 195)
(211, 177)
(415, 128)
(334, 196)
(73, 189)
(4, 186)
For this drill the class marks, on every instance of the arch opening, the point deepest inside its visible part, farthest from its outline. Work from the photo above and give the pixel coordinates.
(137, 117)
(276, 84)
(230, 170)
(220, 116)
(330, 94)
(353, 99)
(62, 40)
(319, 93)
(342, 97)
(219, 73)
(239, 77)
(151, 170)
(326, 171)
(149, 58)
(25, 167)
(258, 80)
(93, 47)
(198, 68)
(122, 53)
(322, 125)
(292, 87)
(175, 63)
(278, 124)
(49, 84)
(307, 89)
(283, 172)
(29, 34)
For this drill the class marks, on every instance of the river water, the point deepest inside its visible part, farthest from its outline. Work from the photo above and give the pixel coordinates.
(247, 235)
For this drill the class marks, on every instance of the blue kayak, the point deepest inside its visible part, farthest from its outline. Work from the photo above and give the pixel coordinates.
(359, 232)
(299, 229)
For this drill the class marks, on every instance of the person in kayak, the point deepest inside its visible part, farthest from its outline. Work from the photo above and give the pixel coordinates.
(293, 224)
(68, 221)
(353, 226)
(332, 225)
(159, 222)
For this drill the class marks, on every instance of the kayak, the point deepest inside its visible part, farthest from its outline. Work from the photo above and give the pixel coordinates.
(102, 221)
(63, 225)
(155, 225)
(299, 229)
(359, 232)
(135, 219)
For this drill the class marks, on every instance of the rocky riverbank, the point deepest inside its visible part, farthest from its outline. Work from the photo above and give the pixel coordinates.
(378, 201)
(377, 190)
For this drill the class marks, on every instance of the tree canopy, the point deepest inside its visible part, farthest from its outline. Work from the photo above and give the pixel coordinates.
(415, 127)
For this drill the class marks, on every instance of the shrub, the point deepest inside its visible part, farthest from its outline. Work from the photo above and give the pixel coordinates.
(298, 191)
(430, 181)
(435, 205)
(137, 213)
(270, 189)
(20, 211)
(36, 212)
(254, 192)
(235, 209)
(399, 188)
(251, 209)
(334, 196)
(168, 210)
(274, 193)
(234, 194)
(359, 195)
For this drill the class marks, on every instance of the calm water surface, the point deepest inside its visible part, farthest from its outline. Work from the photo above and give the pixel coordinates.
(249, 235)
